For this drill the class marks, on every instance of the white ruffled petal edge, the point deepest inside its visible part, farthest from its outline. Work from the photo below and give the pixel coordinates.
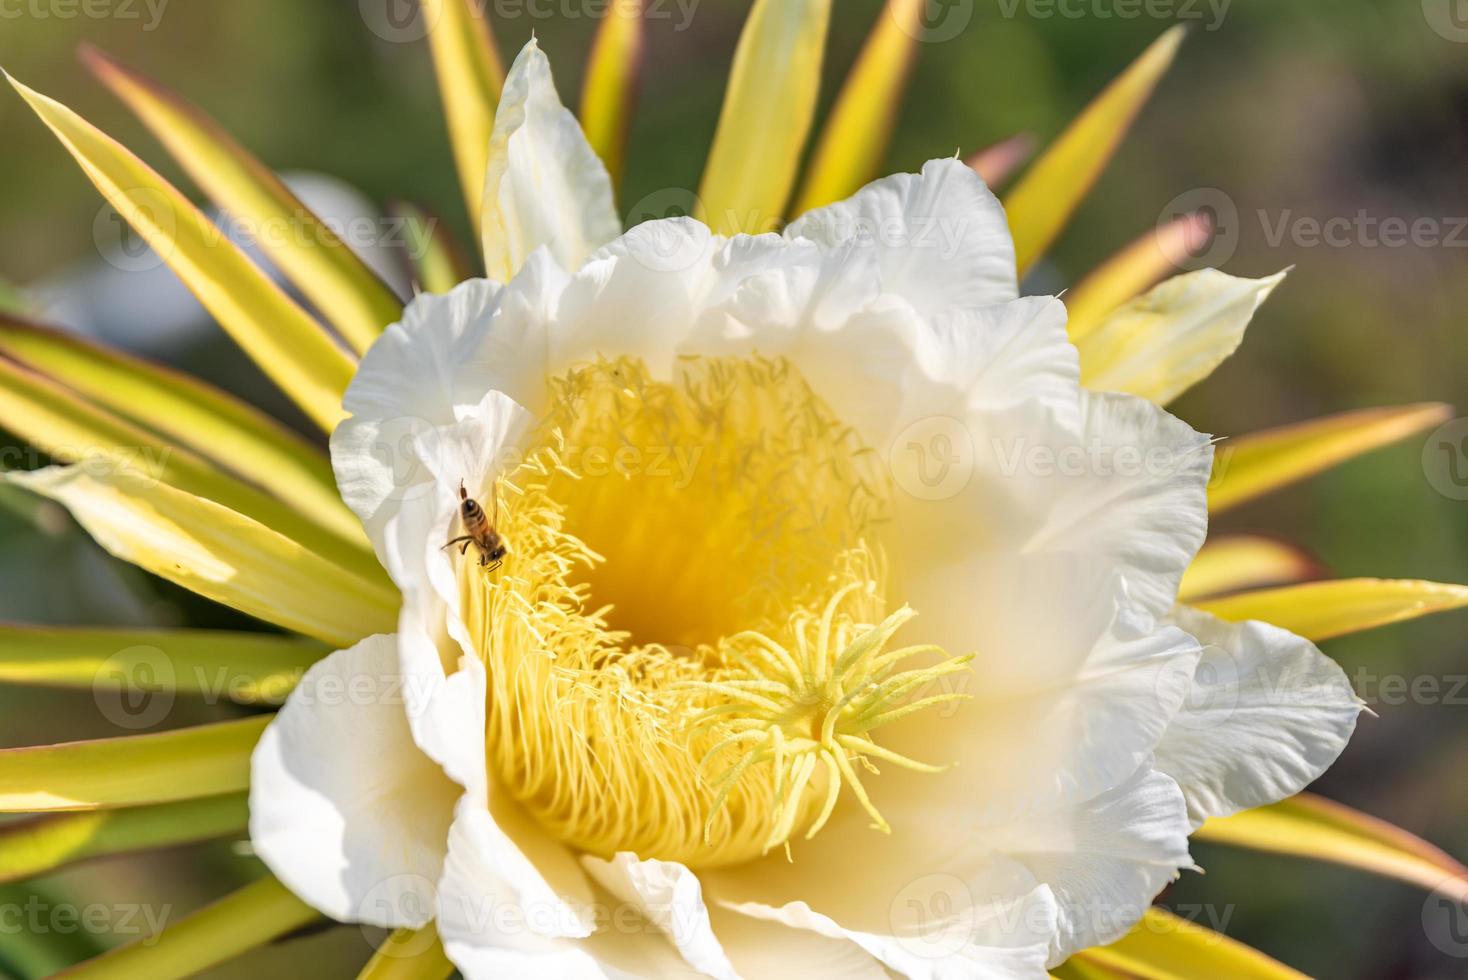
(1266, 714)
(544, 185)
(940, 238)
(669, 896)
(344, 808)
(1105, 859)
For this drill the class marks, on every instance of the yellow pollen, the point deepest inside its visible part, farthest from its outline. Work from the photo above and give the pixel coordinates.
(686, 645)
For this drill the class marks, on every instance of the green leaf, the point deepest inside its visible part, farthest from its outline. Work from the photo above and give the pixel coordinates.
(1131, 272)
(1310, 826)
(308, 253)
(159, 767)
(767, 114)
(1234, 562)
(438, 263)
(218, 553)
(470, 77)
(287, 344)
(249, 668)
(1323, 610)
(850, 147)
(46, 843)
(1253, 465)
(233, 435)
(409, 954)
(612, 75)
(1045, 197)
(1165, 947)
(70, 429)
(260, 912)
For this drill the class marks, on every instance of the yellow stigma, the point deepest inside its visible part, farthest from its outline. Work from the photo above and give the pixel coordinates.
(687, 643)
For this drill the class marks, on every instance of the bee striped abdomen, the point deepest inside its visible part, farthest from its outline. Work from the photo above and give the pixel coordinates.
(475, 522)
(478, 531)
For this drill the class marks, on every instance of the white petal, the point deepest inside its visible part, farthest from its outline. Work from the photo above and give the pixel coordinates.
(949, 890)
(1126, 486)
(940, 237)
(1167, 340)
(1105, 859)
(511, 854)
(486, 845)
(1070, 691)
(416, 367)
(761, 948)
(1143, 500)
(497, 922)
(344, 808)
(623, 302)
(545, 185)
(429, 370)
(644, 294)
(1267, 714)
(997, 357)
(932, 899)
(932, 939)
(669, 896)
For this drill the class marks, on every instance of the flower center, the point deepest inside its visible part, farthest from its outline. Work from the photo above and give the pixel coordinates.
(687, 642)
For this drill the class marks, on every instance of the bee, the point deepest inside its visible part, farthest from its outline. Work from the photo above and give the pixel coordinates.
(479, 531)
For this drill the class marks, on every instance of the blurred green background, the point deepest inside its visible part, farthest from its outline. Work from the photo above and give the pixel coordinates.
(1301, 110)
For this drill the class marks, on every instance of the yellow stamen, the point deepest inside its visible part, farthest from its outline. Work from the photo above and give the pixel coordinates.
(685, 643)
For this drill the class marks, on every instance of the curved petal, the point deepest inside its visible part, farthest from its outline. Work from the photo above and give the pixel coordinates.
(1070, 691)
(1140, 498)
(409, 381)
(763, 947)
(933, 938)
(669, 896)
(344, 808)
(433, 370)
(1267, 714)
(882, 366)
(636, 296)
(932, 900)
(1002, 355)
(1105, 859)
(1124, 486)
(947, 894)
(544, 185)
(940, 237)
(497, 920)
